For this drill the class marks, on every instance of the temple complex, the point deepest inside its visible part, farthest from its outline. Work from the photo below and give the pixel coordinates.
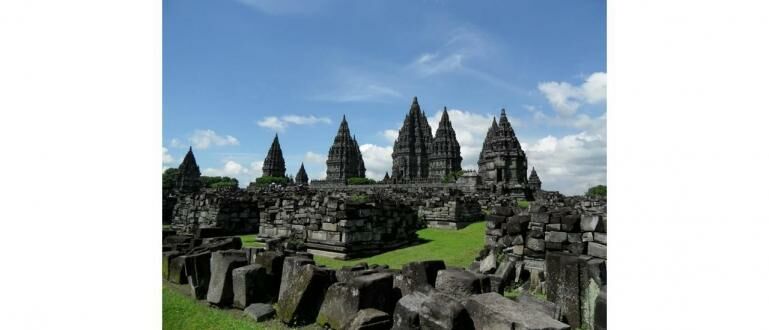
(274, 164)
(301, 176)
(534, 183)
(411, 149)
(502, 162)
(189, 174)
(344, 157)
(445, 157)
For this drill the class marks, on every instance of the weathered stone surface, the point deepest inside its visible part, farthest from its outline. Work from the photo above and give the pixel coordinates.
(419, 275)
(273, 264)
(596, 250)
(220, 243)
(220, 286)
(599, 317)
(370, 319)
(250, 285)
(489, 264)
(197, 266)
(589, 222)
(555, 236)
(300, 302)
(547, 307)
(176, 273)
(458, 282)
(442, 311)
(444, 150)
(406, 314)
(600, 237)
(562, 285)
(291, 268)
(535, 244)
(506, 272)
(344, 158)
(167, 257)
(260, 312)
(274, 164)
(344, 299)
(494, 311)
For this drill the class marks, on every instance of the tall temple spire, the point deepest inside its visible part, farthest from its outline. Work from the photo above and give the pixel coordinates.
(188, 179)
(301, 176)
(502, 160)
(534, 182)
(344, 157)
(411, 149)
(274, 164)
(445, 156)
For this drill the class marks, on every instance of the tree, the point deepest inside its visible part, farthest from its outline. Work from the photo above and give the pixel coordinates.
(596, 191)
(169, 178)
(453, 176)
(359, 181)
(267, 180)
(218, 181)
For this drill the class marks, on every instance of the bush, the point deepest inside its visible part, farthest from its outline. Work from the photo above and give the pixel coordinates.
(359, 198)
(267, 180)
(359, 181)
(225, 184)
(597, 191)
(169, 178)
(523, 204)
(452, 177)
(218, 181)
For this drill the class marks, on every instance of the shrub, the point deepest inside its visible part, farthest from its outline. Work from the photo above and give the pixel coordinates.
(359, 198)
(267, 180)
(597, 191)
(359, 181)
(452, 177)
(523, 204)
(218, 181)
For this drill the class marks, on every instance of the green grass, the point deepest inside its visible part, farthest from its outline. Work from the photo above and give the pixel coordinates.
(455, 247)
(250, 241)
(523, 204)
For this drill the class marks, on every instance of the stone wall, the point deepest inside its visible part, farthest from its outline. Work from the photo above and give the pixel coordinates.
(225, 211)
(450, 212)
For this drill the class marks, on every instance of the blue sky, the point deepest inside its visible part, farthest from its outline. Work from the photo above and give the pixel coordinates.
(235, 72)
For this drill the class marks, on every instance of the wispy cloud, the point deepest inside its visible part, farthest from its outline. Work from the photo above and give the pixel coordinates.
(280, 123)
(314, 158)
(203, 139)
(167, 158)
(566, 98)
(285, 7)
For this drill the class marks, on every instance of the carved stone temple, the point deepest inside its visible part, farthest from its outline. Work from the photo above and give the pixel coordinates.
(189, 174)
(274, 164)
(301, 176)
(344, 157)
(412, 148)
(445, 157)
(502, 162)
(535, 184)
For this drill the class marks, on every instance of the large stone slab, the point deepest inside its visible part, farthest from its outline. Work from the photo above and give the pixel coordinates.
(594, 249)
(599, 318)
(176, 273)
(167, 257)
(273, 263)
(250, 284)
(344, 299)
(494, 311)
(305, 292)
(488, 264)
(573, 282)
(458, 282)
(370, 319)
(419, 275)
(291, 267)
(442, 311)
(220, 286)
(260, 312)
(197, 266)
(406, 313)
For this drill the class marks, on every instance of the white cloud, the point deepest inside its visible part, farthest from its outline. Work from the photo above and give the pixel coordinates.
(279, 124)
(231, 168)
(566, 98)
(377, 159)
(430, 64)
(285, 7)
(176, 143)
(202, 139)
(361, 92)
(256, 168)
(390, 134)
(167, 158)
(314, 158)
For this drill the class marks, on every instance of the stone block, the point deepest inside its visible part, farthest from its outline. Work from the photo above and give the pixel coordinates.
(587, 237)
(176, 273)
(596, 250)
(494, 311)
(220, 286)
(406, 314)
(305, 291)
(535, 244)
(291, 267)
(589, 222)
(599, 318)
(503, 211)
(574, 238)
(420, 275)
(553, 227)
(344, 299)
(442, 311)
(370, 319)
(600, 237)
(555, 236)
(167, 257)
(543, 218)
(458, 282)
(197, 266)
(250, 285)
(260, 312)
(488, 264)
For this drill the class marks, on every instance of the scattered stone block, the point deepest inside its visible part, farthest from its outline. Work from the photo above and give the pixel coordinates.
(176, 273)
(599, 317)
(589, 222)
(167, 257)
(420, 275)
(458, 282)
(596, 250)
(197, 266)
(494, 311)
(535, 244)
(489, 264)
(406, 314)
(291, 267)
(300, 302)
(344, 299)
(250, 285)
(370, 319)
(442, 311)
(260, 312)
(220, 286)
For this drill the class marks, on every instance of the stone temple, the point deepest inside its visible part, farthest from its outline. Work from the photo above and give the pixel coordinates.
(189, 174)
(344, 158)
(301, 176)
(274, 164)
(502, 162)
(445, 157)
(412, 148)
(534, 183)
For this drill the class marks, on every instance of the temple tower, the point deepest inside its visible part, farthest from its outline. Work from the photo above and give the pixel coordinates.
(534, 183)
(189, 174)
(301, 176)
(274, 164)
(502, 161)
(411, 149)
(445, 157)
(344, 157)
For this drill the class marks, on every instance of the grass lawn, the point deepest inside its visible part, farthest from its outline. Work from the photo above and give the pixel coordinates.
(455, 247)
(250, 241)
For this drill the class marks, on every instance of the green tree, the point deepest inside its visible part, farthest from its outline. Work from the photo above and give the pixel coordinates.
(452, 177)
(596, 191)
(359, 181)
(169, 178)
(267, 180)
(218, 181)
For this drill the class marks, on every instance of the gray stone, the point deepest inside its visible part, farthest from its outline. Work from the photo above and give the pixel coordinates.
(250, 285)
(344, 299)
(442, 311)
(599, 317)
(220, 286)
(176, 273)
(589, 222)
(547, 307)
(406, 314)
(600, 237)
(260, 312)
(555, 237)
(535, 244)
(198, 269)
(506, 272)
(587, 237)
(596, 250)
(300, 302)
(574, 238)
(370, 319)
(494, 311)
(420, 275)
(489, 264)
(291, 267)
(562, 285)
(167, 257)
(458, 282)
